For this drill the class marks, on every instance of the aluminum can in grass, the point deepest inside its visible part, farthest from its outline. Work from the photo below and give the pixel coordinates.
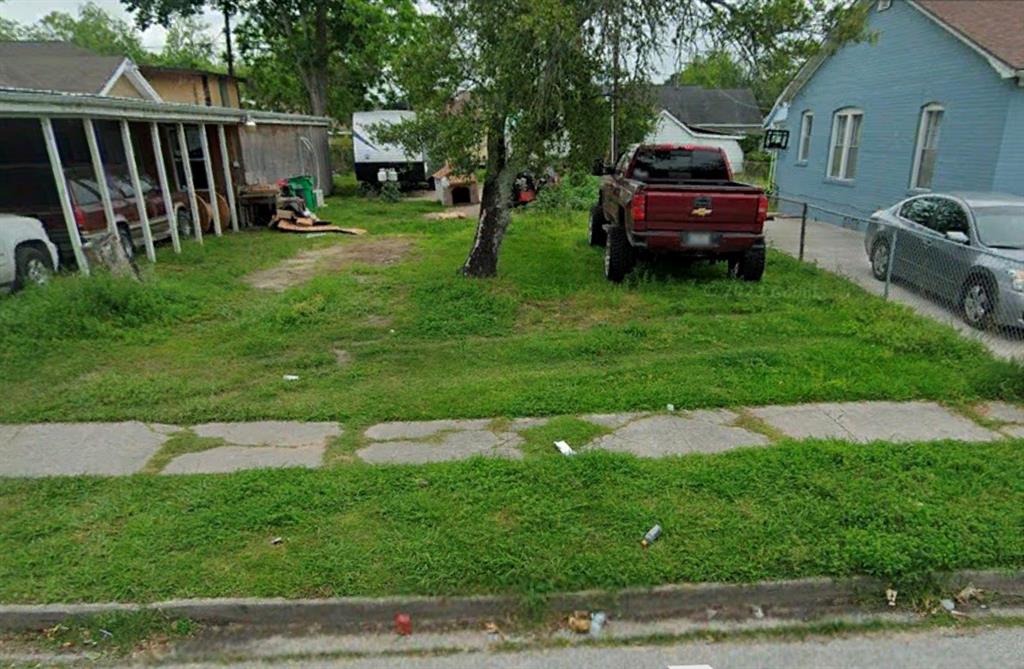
(651, 536)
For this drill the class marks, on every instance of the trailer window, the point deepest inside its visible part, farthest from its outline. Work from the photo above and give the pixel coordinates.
(656, 164)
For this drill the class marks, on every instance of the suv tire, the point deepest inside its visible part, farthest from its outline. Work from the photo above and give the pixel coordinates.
(618, 255)
(125, 237)
(751, 264)
(32, 267)
(597, 235)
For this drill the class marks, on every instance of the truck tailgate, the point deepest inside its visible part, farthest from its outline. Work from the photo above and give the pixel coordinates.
(695, 208)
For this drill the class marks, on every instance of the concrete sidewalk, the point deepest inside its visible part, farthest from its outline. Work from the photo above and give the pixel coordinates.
(841, 251)
(113, 449)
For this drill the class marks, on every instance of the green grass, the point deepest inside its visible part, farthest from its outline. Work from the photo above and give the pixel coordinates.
(550, 336)
(107, 635)
(540, 525)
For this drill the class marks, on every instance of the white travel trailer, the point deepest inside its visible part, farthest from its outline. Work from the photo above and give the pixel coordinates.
(372, 156)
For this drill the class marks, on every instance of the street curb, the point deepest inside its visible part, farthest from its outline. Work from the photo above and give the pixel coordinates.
(798, 599)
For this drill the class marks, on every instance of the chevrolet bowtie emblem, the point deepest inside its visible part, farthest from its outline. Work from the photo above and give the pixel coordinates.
(702, 212)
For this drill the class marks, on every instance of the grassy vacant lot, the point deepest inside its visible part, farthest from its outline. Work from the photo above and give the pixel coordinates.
(550, 336)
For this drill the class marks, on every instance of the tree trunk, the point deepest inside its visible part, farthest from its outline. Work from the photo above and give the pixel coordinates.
(314, 70)
(494, 206)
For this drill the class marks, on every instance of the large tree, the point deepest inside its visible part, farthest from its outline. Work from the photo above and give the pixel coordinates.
(332, 50)
(531, 80)
(93, 28)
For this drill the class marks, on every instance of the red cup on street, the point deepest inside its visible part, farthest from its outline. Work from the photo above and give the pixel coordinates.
(403, 624)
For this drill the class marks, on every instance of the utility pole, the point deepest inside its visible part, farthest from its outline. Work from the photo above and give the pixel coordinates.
(616, 36)
(227, 34)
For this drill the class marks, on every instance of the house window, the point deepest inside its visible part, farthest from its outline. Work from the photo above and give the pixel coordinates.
(884, 5)
(845, 147)
(806, 125)
(927, 147)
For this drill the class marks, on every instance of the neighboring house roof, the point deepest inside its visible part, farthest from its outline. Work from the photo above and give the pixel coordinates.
(66, 68)
(993, 28)
(709, 107)
(186, 71)
(697, 131)
(996, 26)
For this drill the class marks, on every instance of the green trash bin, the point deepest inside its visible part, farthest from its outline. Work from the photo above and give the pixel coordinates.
(302, 186)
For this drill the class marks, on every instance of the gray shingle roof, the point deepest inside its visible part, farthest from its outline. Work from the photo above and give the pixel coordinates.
(55, 66)
(695, 105)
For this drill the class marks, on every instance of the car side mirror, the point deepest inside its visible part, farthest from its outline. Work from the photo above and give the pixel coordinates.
(958, 237)
(600, 169)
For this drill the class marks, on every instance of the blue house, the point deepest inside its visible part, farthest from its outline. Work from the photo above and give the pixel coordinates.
(935, 102)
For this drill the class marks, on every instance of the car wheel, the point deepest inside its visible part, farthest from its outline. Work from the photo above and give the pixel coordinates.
(751, 265)
(618, 255)
(33, 267)
(597, 236)
(184, 222)
(978, 302)
(125, 236)
(880, 259)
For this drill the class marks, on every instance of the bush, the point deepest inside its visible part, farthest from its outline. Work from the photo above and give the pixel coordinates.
(577, 190)
(390, 192)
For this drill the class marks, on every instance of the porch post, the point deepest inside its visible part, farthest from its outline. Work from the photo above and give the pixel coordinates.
(165, 189)
(208, 164)
(189, 183)
(140, 198)
(62, 194)
(101, 175)
(229, 187)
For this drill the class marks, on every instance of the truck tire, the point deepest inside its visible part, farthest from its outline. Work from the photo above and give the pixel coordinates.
(618, 255)
(751, 265)
(32, 267)
(597, 236)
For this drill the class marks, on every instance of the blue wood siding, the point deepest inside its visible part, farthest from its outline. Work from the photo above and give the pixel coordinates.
(913, 62)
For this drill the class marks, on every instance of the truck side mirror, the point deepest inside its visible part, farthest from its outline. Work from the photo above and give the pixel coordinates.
(599, 169)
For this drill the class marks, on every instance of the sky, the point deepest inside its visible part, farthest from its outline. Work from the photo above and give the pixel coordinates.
(30, 11)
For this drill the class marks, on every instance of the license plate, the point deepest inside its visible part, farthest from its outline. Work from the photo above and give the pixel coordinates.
(697, 238)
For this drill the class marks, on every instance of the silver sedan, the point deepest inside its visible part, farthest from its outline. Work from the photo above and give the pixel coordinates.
(965, 248)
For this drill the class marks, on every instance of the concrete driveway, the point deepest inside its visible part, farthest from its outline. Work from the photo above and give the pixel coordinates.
(841, 250)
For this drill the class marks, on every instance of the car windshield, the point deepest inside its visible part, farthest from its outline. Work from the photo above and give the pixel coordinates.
(666, 164)
(1001, 227)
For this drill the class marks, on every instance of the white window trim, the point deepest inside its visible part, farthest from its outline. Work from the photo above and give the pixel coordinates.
(922, 129)
(849, 113)
(804, 152)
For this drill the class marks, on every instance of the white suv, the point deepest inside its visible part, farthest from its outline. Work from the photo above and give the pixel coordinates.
(27, 256)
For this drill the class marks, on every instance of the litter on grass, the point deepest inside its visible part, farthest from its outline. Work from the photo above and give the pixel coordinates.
(579, 622)
(597, 622)
(890, 596)
(564, 448)
(651, 536)
(290, 377)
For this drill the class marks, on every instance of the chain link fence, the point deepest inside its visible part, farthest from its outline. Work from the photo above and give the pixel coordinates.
(959, 264)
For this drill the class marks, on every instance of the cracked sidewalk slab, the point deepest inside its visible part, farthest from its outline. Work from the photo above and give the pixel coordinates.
(457, 445)
(863, 422)
(227, 459)
(74, 449)
(679, 434)
(284, 433)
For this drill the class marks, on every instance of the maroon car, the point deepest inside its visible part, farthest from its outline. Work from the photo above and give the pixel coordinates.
(678, 200)
(28, 190)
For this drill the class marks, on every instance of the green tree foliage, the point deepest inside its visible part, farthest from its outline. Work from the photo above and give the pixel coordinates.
(189, 44)
(714, 69)
(320, 57)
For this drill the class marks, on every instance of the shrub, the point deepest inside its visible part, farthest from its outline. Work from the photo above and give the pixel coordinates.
(577, 190)
(390, 192)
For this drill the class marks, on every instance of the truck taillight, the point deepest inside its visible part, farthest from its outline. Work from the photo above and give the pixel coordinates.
(762, 209)
(79, 216)
(640, 207)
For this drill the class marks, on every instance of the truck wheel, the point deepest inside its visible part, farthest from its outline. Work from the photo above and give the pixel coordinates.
(751, 265)
(618, 255)
(597, 236)
(33, 267)
(124, 235)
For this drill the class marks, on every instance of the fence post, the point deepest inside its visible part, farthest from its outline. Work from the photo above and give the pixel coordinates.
(888, 265)
(803, 230)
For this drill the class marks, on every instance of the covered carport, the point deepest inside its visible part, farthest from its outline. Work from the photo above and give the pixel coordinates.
(107, 141)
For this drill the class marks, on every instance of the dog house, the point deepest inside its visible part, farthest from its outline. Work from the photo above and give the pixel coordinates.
(455, 189)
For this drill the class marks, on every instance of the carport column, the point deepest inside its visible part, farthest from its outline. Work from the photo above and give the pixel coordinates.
(189, 182)
(165, 189)
(140, 197)
(229, 187)
(62, 194)
(214, 206)
(101, 175)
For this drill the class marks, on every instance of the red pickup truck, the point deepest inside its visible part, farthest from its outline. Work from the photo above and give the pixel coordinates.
(680, 200)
